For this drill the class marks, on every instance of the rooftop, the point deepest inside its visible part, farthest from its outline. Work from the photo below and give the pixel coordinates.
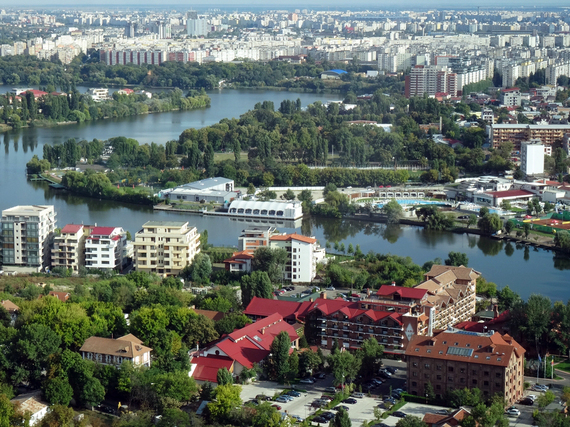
(164, 224)
(127, 346)
(72, 228)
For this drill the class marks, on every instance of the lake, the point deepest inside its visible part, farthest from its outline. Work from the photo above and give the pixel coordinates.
(524, 269)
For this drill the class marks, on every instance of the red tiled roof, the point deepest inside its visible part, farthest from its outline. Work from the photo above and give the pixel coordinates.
(71, 228)
(264, 307)
(207, 367)
(510, 193)
(412, 293)
(294, 236)
(102, 231)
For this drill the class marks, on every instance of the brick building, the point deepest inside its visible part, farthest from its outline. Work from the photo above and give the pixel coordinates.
(455, 359)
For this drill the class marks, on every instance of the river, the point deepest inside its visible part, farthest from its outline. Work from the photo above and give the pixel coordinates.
(525, 270)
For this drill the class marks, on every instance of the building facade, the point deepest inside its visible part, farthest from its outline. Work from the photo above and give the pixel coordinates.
(165, 247)
(548, 134)
(455, 359)
(69, 247)
(255, 237)
(303, 255)
(27, 234)
(532, 157)
(105, 248)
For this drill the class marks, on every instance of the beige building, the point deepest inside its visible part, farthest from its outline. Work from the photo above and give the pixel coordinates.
(165, 247)
(455, 359)
(69, 247)
(548, 134)
(108, 351)
(27, 233)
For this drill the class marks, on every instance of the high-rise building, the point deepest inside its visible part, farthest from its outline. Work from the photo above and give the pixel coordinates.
(165, 247)
(196, 27)
(532, 157)
(430, 80)
(105, 248)
(27, 233)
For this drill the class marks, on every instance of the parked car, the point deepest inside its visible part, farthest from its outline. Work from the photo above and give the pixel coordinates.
(297, 418)
(339, 407)
(331, 288)
(350, 400)
(526, 401)
(322, 376)
(262, 397)
(399, 414)
(540, 387)
(327, 415)
(381, 425)
(390, 400)
(357, 394)
(282, 399)
(442, 412)
(318, 403)
(306, 381)
(330, 390)
(513, 412)
(288, 397)
(294, 393)
(391, 369)
(277, 407)
(532, 396)
(320, 420)
(376, 381)
(325, 397)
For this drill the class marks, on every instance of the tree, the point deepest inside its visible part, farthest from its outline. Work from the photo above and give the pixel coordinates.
(457, 259)
(526, 229)
(344, 366)
(278, 366)
(224, 377)
(483, 211)
(329, 188)
(305, 196)
(57, 390)
(200, 270)
(370, 354)
(36, 343)
(506, 205)
(308, 362)
(350, 248)
(472, 220)
(92, 392)
(58, 415)
(545, 399)
(293, 368)
(251, 189)
(509, 226)
(257, 284)
(341, 419)
(410, 421)
(394, 211)
(507, 299)
(289, 195)
(490, 223)
(270, 261)
(148, 322)
(227, 399)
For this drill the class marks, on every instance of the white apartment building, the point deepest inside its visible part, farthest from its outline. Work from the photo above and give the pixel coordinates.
(104, 248)
(197, 27)
(532, 157)
(304, 254)
(99, 94)
(511, 97)
(27, 233)
(69, 247)
(165, 247)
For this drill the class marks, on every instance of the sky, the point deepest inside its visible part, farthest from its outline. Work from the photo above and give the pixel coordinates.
(265, 5)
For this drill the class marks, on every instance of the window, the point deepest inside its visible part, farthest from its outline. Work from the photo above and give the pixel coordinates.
(438, 387)
(462, 380)
(462, 370)
(486, 373)
(497, 384)
(438, 377)
(426, 376)
(415, 374)
(474, 382)
(486, 383)
(426, 366)
(450, 369)
(438, 367)
(415, 364)
(474, 372)
(450, 379)
(414, 383)
(498, 375)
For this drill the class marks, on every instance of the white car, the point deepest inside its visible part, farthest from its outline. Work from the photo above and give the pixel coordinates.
(331, 288)
(513, 412)
(306, 381)
(532, 396)
(540, 387)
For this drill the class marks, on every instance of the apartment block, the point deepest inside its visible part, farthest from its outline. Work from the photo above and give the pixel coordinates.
(430, 80)
(548, 134)
(511, 97)
(255, 237)
(27, 234)
(105, 248)
(455, 359)
(165, 247)
(532, 157)
(304, 253)
(69, 247)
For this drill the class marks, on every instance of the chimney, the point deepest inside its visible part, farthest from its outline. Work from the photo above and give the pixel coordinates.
(368, 291)
(393, 284)
(262, 331)
(323, 295)
(495, 311)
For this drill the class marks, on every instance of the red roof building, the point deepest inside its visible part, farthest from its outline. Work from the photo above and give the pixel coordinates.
(239, 262)
(242, 348)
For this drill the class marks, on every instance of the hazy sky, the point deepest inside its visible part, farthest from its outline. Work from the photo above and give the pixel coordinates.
(330, 4)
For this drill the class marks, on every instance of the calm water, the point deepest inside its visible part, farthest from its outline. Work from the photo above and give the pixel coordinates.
(523, 269)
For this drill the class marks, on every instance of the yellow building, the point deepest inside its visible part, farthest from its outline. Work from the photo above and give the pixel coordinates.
(165, 247)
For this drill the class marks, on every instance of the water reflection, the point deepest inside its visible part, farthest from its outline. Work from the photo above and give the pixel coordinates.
(490, 247)
(526, 255)
(392, 232)
(509, 249)
(561, 262)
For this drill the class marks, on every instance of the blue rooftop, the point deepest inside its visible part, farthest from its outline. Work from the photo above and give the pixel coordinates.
(338, 71)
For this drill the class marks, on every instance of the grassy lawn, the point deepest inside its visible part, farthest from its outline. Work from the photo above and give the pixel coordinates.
(394, 408)
(228, 155)
(563, 366)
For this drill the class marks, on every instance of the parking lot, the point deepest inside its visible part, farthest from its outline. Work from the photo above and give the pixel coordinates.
(361, 411)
